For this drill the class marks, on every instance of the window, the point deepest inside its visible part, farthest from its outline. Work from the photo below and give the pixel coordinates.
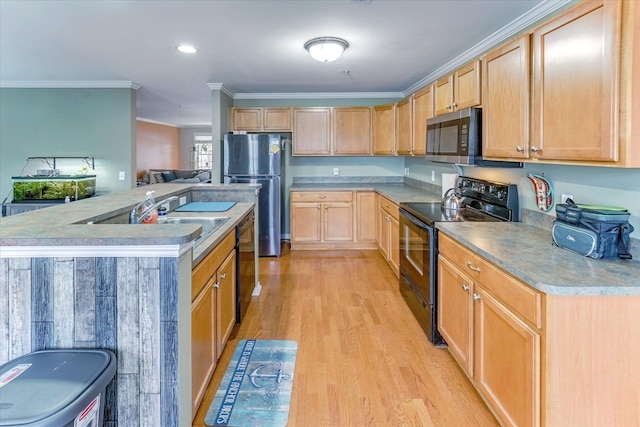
(202, 151)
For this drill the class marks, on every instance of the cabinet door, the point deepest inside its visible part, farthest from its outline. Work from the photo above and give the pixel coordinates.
(384, 129)
(394, 245)
(305, 222)
(366, 216)
(466, 86)
(507, 361)
(352, 130)
(404, 128)
(338, 222)
(311, 131)
(249, 119)
(276, 119)
(505, 109)
(443, 95)
(575, 84)
(422, 110)
(225, 289)
(203, 356)
(384, 233)
(455, 321)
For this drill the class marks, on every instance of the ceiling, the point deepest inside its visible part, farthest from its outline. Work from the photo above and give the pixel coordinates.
(253, 47)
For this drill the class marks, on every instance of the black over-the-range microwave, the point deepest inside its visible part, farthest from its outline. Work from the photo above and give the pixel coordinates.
(455, 137)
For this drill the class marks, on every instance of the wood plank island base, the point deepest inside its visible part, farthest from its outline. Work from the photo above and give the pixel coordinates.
(362, 358)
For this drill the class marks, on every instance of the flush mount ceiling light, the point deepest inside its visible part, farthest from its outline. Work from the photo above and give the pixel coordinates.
(186, 48)
(326, 49)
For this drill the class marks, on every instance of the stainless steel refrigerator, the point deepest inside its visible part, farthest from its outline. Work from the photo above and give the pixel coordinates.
(258, 159)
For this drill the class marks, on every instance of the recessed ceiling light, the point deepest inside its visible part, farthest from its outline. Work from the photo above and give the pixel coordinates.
(186, 48)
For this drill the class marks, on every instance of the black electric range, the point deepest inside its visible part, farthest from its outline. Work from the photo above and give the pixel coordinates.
(481, 201)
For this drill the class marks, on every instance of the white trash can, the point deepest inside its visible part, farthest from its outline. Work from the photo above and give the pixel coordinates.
(64, 388)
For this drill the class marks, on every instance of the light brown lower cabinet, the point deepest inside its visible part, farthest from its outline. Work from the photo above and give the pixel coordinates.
(326, 220)
(539, 359)
(389, 232)
(213, 313)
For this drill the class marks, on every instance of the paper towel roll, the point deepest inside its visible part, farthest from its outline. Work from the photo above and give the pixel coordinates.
(448, 181)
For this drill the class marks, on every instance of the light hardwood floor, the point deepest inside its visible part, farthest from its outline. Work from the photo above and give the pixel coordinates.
(362, 358)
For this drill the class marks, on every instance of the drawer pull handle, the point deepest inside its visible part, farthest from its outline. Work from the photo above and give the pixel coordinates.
(476, 297)
(471, 266)
(465, 288)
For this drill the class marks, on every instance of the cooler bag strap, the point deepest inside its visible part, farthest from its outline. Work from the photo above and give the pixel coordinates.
(623, 251)
(573, 213)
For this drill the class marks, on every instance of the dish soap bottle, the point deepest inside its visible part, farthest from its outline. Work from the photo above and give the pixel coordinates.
(152, 216)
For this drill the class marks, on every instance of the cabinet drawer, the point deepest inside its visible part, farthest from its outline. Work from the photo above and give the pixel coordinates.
(522, 299)
(208, 266)
(525, 301)
(390, 207)
(322, 196)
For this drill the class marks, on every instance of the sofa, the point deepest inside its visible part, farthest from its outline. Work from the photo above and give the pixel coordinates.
(175, 176)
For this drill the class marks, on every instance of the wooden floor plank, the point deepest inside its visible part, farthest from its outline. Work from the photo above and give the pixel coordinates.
(362, 358)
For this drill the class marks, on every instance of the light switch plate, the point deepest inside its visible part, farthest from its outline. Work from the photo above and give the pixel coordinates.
(121, 176)
(336, 171)
(183, 200)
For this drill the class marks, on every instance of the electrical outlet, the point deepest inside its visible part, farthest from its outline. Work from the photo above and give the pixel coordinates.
(564, 198)
(433, 175)
(336, 171)
(183, 200)
(121, 176)
(406, 171)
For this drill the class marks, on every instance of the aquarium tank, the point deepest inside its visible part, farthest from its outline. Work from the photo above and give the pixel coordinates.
(53, 188)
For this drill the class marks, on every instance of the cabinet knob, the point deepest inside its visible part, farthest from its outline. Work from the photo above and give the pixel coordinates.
(465, 288)
(455, 104)
(519, 148)
(535, 149)
(472, 267)
(322, 196)
(223, 276)
(216, 285)
(476, 297)
(318, 205)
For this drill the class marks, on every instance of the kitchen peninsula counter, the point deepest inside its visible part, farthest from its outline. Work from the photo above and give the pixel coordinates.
(527, 253)
(114, 285)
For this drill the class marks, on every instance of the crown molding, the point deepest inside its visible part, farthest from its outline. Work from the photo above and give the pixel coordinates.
(114, 84)
(319, 95)
(222, 88)
(505, 33)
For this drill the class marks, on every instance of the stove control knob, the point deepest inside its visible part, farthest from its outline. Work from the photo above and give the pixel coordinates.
(500, 194)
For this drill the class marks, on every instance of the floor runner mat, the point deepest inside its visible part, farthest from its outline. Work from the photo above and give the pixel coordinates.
(256, 388)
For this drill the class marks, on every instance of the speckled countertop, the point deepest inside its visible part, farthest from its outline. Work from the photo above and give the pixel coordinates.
(527, 253)
(396, 192)
(67, 224)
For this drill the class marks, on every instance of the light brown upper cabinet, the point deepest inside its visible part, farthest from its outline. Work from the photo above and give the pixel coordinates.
(260, 119)
(403, 126)
(422, 110)
(505, 97)
(384, 129)
(351, 131)
(311, 131)
(576, 69)
(458, 90)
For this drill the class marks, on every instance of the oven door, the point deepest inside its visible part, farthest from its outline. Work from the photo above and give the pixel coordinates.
(416, 246)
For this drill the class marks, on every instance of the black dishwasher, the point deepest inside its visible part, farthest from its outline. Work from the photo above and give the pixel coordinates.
(245, 265)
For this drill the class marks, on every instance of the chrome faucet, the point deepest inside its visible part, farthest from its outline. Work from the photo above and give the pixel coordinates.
(134, 218)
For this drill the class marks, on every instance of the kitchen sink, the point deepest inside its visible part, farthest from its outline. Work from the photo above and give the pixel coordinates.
(209, 225)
